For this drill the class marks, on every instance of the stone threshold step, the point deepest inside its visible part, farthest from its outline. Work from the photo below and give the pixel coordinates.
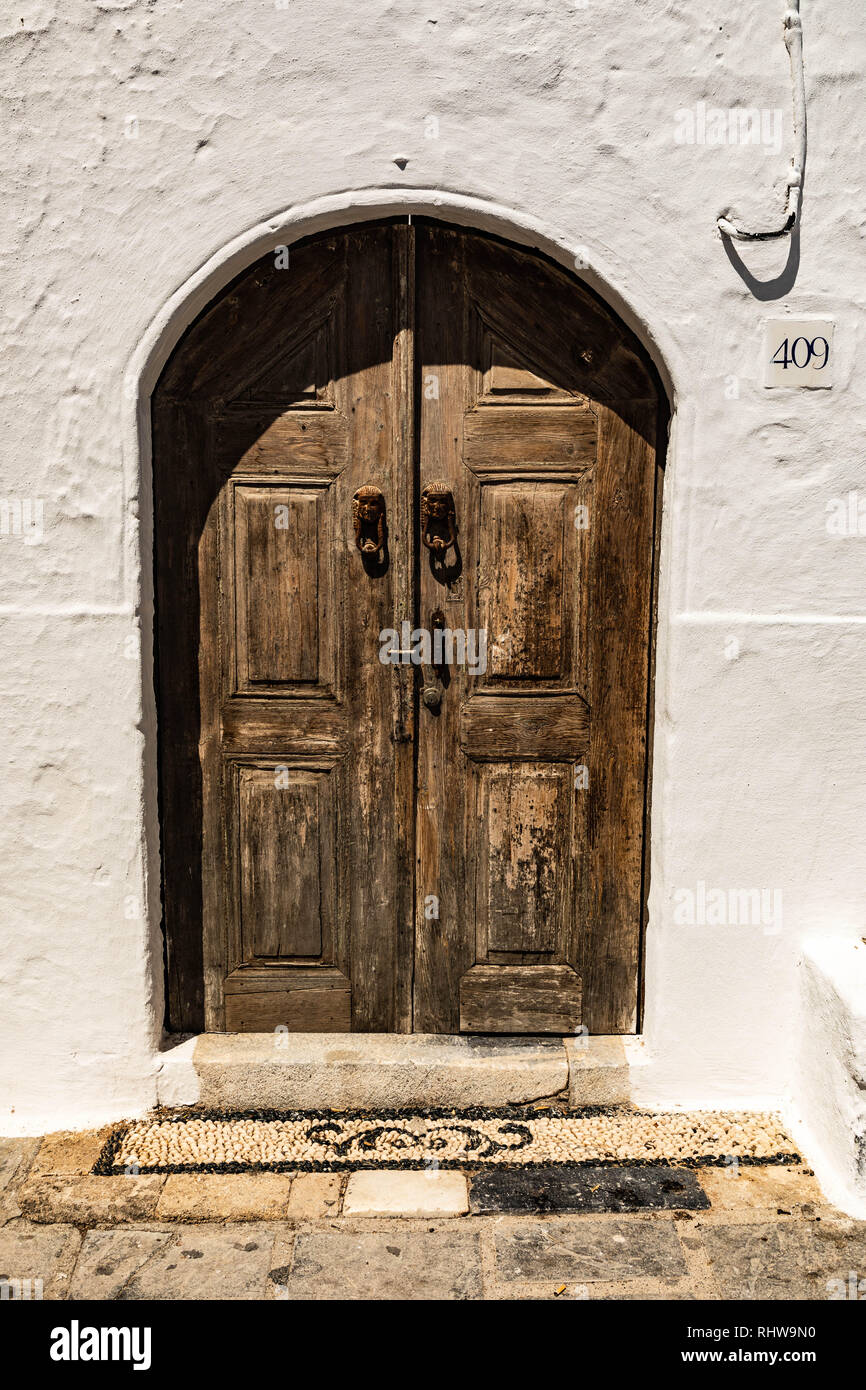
(385, 1071)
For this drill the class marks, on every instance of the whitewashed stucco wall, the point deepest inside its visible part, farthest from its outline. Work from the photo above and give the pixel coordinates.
(139, 141)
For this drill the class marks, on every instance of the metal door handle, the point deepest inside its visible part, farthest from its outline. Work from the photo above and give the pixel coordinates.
(433, 687)
(368, 518)
(437, 517)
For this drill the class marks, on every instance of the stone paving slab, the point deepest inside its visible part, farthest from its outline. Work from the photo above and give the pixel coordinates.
(69, 1152)
(220, 1262)
(585, 1249)
(15, 1157)
(598, 1071)
(315, 1195)
(587, 1190)
(598, 1291)
(89, 1201)
(402, 1193)
(775, 1188)
(644, 1291)
(559, 1258)
(14, 1154)
(224, 1197)
(788, 1260)
(405, 1264)
(56, 1190)
(30, 1253)
(110, 1259)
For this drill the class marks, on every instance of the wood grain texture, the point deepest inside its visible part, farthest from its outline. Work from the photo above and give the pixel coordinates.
(520, 999)
(257, 444)
(181, 501)
(491, 727)
(444, 947)
(300, 1009)
(503, 440)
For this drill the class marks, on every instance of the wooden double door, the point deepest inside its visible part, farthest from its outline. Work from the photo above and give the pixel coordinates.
(405, 481)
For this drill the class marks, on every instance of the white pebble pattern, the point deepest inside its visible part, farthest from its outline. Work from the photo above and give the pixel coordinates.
(338, 1141)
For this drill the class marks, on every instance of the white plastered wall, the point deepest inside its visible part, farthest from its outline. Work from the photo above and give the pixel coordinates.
(152, 151)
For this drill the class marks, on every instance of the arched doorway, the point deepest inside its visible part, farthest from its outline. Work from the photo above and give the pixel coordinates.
(406, 486)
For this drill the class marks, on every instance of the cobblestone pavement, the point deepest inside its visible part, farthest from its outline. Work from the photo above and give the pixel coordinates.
(759, 1233)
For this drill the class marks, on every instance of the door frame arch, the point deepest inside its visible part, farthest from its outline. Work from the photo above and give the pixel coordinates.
(203, 286)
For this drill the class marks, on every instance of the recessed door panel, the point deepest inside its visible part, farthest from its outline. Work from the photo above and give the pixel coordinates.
(523, 601)
(287, 863)
(282, 564)
(524, 817)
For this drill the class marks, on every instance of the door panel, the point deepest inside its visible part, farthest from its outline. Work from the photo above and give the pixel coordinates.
(286, 855)
(282, 541)
(562, 441)
(520, 999)
(524, 817)
(338, 852)
(526, 541)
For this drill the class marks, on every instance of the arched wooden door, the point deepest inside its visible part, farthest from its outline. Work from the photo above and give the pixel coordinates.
(406, 489)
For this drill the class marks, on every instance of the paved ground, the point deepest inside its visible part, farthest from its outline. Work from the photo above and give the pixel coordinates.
(766, 1234)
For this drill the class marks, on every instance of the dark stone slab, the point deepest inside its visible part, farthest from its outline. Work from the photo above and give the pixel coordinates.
(587, 1189)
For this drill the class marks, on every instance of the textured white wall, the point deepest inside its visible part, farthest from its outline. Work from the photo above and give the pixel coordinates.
(556, 123)
(829, 1110)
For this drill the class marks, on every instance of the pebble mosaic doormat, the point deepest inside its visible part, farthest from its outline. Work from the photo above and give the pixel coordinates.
(329, 1141)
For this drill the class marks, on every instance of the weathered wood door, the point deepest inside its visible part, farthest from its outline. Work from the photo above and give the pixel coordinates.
(393, 436)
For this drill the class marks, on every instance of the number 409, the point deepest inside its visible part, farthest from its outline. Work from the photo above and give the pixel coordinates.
(801, 356)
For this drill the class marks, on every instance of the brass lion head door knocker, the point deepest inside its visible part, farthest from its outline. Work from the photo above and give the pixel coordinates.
(438, 519)
(368, 517)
